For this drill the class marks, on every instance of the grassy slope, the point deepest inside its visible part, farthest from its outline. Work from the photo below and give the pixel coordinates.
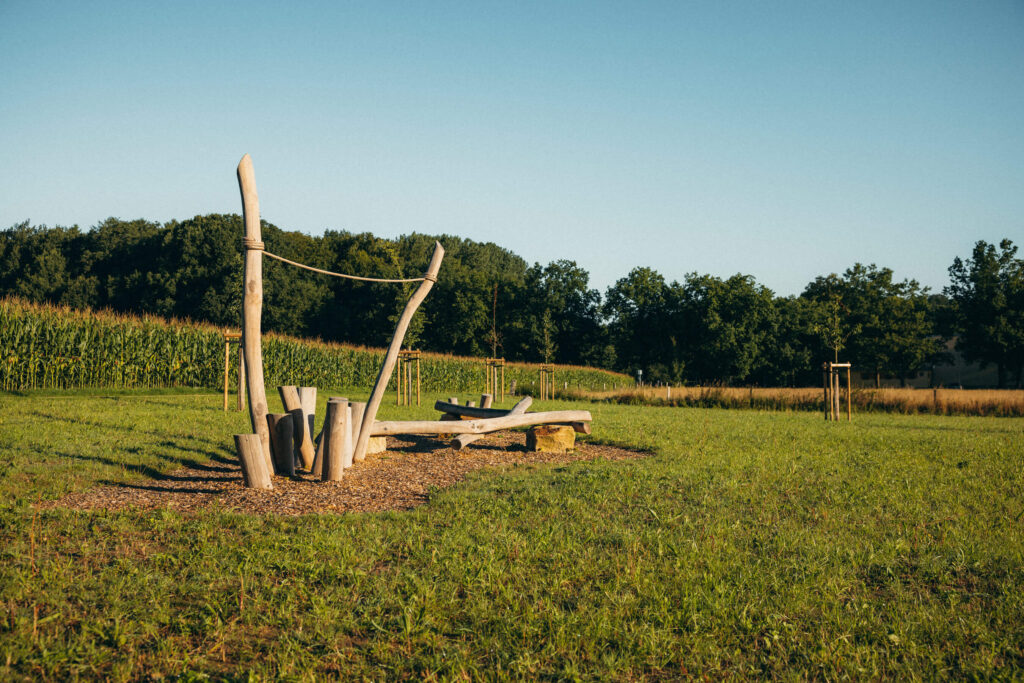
(751, 543)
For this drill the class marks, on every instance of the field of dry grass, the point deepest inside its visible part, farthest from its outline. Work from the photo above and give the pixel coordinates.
(985, 402)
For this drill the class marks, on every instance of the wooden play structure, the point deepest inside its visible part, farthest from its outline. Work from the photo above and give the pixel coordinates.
(280, 440)
(833, 399)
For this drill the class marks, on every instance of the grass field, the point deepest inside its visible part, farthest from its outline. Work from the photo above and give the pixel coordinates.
(751, 544)
(938, 401)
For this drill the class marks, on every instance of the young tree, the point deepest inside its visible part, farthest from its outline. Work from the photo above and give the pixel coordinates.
(988, 292)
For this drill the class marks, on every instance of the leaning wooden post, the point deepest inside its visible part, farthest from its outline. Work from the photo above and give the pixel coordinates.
(255, 474)
(429, 278)
(252, 303)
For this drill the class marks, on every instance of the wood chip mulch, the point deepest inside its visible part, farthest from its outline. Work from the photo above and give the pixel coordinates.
(397, 479)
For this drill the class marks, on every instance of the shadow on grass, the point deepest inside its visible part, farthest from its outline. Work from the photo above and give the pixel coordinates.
(119, 428)
(152, 472)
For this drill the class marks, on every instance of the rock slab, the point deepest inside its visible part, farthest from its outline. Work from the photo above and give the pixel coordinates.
(551, 439)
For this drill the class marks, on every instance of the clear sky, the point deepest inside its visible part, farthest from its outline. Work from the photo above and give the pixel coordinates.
(778, 139)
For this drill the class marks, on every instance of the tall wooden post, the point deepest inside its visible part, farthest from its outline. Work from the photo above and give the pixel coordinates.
(849, 400)
(252, 303)
(241, 378)
(398, 380)
(227, 359)
(826, 402)
(373, 405)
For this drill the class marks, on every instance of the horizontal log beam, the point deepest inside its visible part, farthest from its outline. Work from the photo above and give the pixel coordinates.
(484, 426)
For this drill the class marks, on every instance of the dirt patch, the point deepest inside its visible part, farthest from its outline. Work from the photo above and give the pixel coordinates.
(398, 479)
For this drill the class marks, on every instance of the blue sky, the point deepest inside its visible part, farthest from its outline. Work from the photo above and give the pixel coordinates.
(782, 140)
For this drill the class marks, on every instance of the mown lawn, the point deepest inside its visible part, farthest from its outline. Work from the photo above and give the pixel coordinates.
(750, 544)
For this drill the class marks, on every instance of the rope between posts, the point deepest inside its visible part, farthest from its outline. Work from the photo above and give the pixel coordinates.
(251, 244)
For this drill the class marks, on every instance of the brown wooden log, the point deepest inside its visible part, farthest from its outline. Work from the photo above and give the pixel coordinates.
(293, 403)
(348, 444)
(293, 406)
(486, 400)
(252, 304)
(373, 405)
(334, 440)
(481, 426)
(307, 401)
(321, 442)
(358, 410)
(254, 468)
(463, 440)
(282, 442)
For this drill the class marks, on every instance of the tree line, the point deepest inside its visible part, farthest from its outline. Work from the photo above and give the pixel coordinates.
(489, 301)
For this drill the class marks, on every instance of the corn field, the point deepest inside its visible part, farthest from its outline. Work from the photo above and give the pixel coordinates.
(53, 347)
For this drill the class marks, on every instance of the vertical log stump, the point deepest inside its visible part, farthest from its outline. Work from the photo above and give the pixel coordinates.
(335, 435)
(358, 409)
(486, 400)
(282, 442)
(255, 474)
(307, 401)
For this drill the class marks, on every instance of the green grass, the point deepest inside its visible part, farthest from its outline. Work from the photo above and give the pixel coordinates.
(751, 544)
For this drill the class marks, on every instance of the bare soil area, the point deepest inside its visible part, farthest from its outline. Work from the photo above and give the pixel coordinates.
(397, 479)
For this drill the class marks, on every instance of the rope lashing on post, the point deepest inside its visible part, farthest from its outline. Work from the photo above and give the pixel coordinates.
(259, 246)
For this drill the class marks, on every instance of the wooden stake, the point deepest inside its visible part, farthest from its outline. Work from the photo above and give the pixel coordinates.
(825, 401)
(398, 380)
(227, 359)
(486, 400)
(252, 304)
(254, 469)
(849, 400)
(429, 278)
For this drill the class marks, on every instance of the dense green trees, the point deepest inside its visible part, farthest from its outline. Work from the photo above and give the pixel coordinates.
(704, 329)
(988, 292)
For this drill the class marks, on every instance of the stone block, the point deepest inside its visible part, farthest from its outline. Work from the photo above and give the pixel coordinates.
(551, 439)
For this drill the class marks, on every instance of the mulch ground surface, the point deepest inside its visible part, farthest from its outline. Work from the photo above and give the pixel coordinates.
(400, 478)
